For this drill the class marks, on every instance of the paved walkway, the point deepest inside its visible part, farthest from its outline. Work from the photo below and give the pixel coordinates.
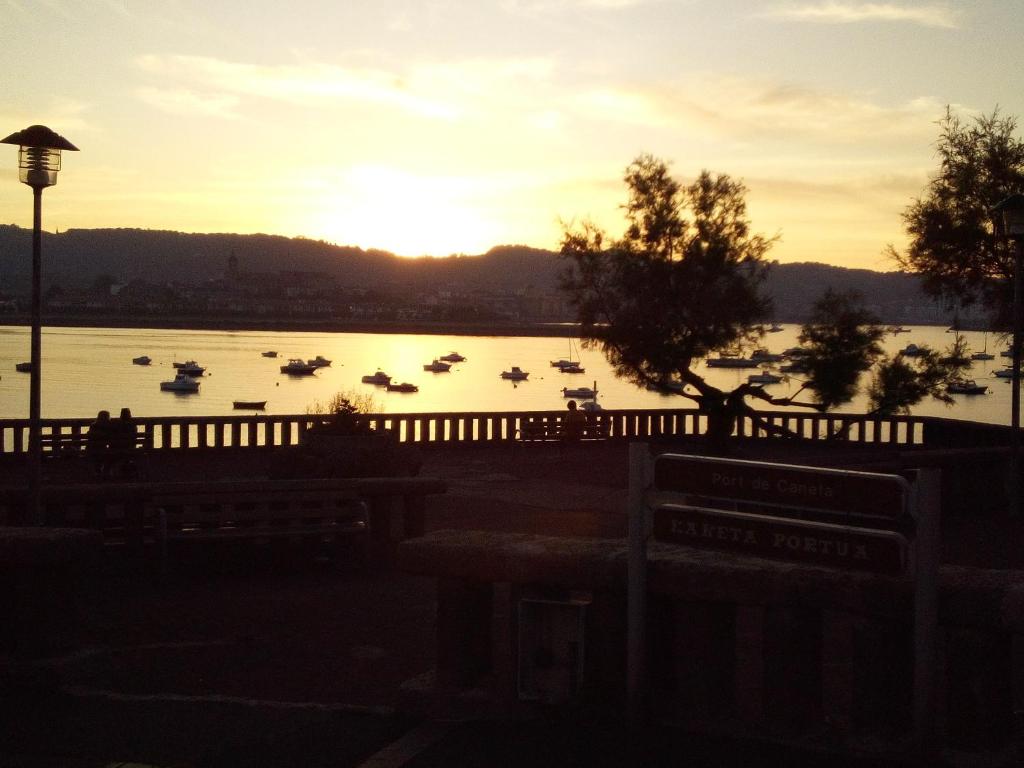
(278, 660)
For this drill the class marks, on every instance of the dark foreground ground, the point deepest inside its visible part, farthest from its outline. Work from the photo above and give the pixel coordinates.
(278, 659)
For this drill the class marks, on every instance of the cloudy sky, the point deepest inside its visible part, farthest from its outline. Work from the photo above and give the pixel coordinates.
(450, 126)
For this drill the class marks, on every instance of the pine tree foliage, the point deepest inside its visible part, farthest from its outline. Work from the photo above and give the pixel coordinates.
(954, 245)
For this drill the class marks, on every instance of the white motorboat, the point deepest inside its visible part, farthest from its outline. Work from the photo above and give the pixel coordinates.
(319, 362)
(732, 362)
(966, 387)
(516, 374)
(438, 367)
(183, 382)
(583, 393)
(452, 357)
(378, 378)
(142, 360)
(298, 367)
(189, 367)
(794, 366)
(403, 387)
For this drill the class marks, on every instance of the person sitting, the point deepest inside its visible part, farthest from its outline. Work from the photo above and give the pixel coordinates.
(575, 422)
(97, 442)
(122, 442)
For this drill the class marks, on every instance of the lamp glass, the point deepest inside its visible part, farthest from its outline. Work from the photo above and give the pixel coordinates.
(38, 166)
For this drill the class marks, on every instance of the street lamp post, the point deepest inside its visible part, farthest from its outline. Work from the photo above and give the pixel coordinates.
(1011, 211)
(38, 163)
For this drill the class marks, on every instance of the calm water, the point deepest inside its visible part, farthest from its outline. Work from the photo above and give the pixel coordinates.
(88, 369)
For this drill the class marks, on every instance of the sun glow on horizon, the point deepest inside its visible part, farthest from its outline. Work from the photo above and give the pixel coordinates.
(389, 209)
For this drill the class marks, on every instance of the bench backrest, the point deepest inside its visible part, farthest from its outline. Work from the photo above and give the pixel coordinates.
(240, 508)
(54, 442)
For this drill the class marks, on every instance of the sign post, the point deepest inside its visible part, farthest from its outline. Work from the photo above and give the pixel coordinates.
(857, 521)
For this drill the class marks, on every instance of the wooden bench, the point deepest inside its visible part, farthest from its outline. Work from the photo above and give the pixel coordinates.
(323, 515)
(141, 516)
(544, 430)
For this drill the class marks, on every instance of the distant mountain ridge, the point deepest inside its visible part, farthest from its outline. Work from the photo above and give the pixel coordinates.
(74, 259)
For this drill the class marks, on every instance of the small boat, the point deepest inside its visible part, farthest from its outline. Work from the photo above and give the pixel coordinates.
(572, 368)
(516, 374)
(897, 329)
(319, 362)
(984, 354)
(298, 367)
(911, 350)
(795, 366)
(775, 328)
(249, 405)
(403, 387)
(269, 353)
(764, 356)
(763, 378)
(23, 367)
(561, 363)
(966, 387)
(378, 378)
(438, 367)
(583, 393)
(1006, 353)
(190, 368)
(1005, 373)
(142, 360)
(732, 362)
(452, 357)
(183, 382)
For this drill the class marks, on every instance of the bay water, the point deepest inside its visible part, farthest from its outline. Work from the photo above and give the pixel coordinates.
(88, 369)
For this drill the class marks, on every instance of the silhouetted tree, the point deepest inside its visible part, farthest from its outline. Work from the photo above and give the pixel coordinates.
(840, 342)
(953, 245)
(683, 282)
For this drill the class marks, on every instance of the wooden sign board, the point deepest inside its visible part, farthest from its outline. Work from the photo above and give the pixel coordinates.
(783, 485)
(837, 546)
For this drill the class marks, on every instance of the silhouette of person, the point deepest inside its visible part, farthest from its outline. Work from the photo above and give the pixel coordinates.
(575, 422)
(122, 441)
(97, 442)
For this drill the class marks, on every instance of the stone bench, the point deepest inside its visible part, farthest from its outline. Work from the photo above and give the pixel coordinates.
(740, 644)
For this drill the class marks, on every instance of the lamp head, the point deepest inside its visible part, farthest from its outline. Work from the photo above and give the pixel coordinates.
(38, 155)
(1010, 213)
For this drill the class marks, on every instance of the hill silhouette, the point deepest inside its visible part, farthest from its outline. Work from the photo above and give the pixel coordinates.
(74, 259)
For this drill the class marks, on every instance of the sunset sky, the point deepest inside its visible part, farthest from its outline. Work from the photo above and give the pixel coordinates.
(450, 126)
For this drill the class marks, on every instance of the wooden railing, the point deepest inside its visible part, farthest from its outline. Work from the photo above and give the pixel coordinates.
(259, 431)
